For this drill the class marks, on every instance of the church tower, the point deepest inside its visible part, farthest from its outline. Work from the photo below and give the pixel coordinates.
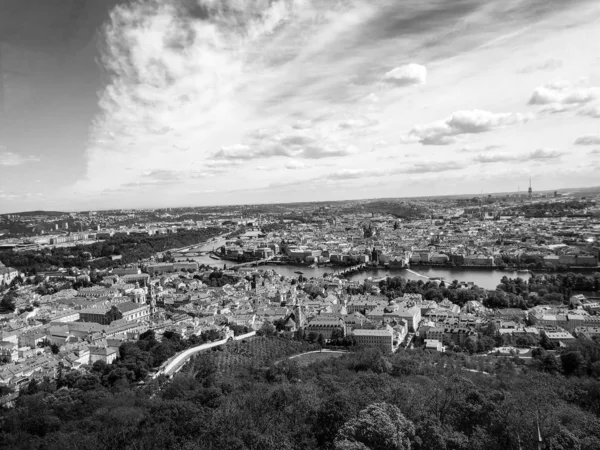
(298, 315)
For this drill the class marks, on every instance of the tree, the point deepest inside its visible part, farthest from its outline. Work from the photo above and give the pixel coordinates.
(321, 341)
(546, 343)
(312, 336)
(8, 301)
(380, 426)
(573, 363)
(267, 329)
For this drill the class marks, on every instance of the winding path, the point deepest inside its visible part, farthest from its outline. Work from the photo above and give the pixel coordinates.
(175, 364)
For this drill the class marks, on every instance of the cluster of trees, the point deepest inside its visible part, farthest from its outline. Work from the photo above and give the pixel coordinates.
(547, 209)
(363, 400)
(217, 278)
(131, 248)
(540, 290)
(394, 287)
(277, 226)
(543, 289)
(399, 209)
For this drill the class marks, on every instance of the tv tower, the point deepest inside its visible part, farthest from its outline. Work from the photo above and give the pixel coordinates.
(530, 190)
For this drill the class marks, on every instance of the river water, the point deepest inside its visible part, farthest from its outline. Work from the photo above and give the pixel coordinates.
(487, 279)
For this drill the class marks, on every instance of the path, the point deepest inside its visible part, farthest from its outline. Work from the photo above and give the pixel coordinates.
(318, 351)
(175, 364)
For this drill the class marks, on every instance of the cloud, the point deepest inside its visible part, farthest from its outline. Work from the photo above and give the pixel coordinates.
(588, 140)
(537, 155)
(563, 93)
(297, 165)
(165, 175)
(487, 148)
(14, 159)
(543, 154)
(361, 122)
(595, 152)
(548, 65)
(487, 159)
(276, 143)
(353, 174)
(431, 167)
(475, 121)
(406, 75)
(590, 111)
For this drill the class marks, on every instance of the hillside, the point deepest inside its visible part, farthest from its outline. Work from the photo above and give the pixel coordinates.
(363, 400)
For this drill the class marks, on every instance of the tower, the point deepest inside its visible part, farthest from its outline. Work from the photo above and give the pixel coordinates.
(530, 191)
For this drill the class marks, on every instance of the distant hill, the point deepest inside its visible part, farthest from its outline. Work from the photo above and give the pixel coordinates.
(36, 213)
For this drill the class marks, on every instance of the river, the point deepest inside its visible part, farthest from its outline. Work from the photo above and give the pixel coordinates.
(487, 279)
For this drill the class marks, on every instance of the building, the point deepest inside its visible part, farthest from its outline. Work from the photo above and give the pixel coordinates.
(364, 303)
(120, 271)
(127, 311)
(66, 316)
(73, 237)
(394, 312)
(326, 325)
(7, 274)
(560, 336)
(185, 266)
(156, 268)
(434, 344)
(382, 339)
(106, 354)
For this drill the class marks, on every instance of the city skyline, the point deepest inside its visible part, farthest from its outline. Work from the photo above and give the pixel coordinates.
(126, 104)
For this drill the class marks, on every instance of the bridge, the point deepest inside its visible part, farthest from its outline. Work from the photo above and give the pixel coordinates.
(252, 263)
(349, 269)
(174, 364)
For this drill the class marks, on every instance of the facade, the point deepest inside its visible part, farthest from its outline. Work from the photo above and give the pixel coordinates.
(393, 312)
(128, 311)
(74, 237)
(7, 274)
(326, 326)
(126, 271)
(434, 344)
(67, 316)
(185, 266)
(106, 354)
(382, 339)
(153, 269)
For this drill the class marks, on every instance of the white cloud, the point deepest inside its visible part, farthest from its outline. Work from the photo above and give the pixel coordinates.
(543, 154)
(282, 143)
(494, 158)
(590, 111)
(360, 122)
(536, 155)
(445, 132)
(353, 174)
(564, 93)
(406, 75)
(588, 140)
(297, 165)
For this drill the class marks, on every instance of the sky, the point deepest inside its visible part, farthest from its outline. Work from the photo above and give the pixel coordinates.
(126, 104)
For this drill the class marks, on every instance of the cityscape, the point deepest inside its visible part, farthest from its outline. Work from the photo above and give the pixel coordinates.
(243, 225)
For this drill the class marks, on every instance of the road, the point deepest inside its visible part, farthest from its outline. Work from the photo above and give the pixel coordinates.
(174, 364)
